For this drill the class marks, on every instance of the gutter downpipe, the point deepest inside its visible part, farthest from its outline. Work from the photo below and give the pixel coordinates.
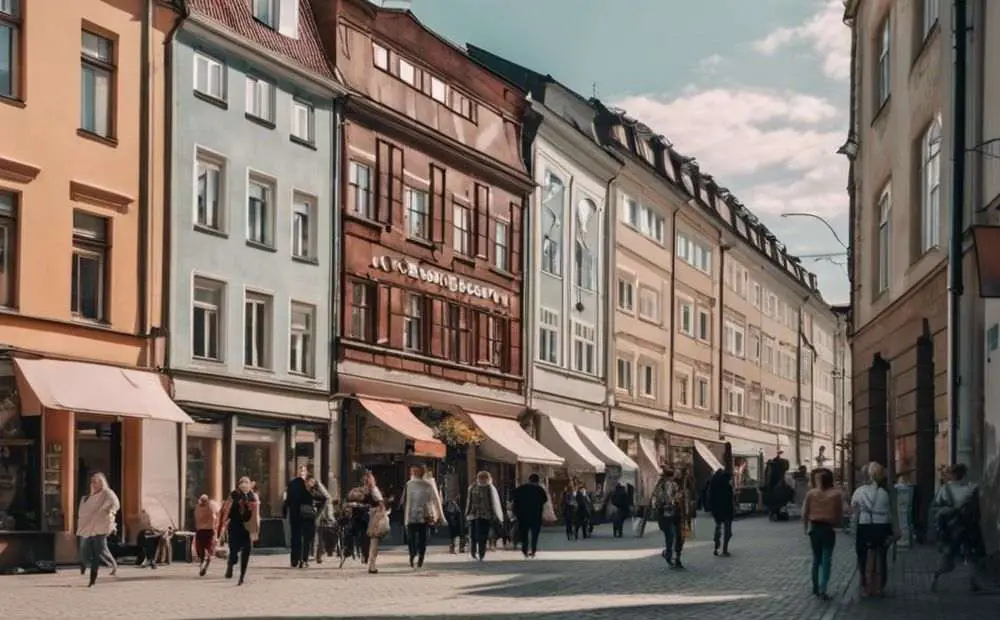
(610, 290)
(955, 255)
(336, 294)
(723, 250)
(851, 218)
(673, 308)
(145, 119)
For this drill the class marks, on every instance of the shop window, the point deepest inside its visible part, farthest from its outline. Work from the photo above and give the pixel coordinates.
(254, 461)
(89, 269)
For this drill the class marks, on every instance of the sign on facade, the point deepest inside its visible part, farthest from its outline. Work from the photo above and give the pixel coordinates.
(413, 269)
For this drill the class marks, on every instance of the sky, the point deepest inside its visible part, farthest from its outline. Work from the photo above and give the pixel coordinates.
(756, 90)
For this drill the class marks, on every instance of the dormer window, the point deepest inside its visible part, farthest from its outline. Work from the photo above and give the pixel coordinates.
(266, 12)
(280, 15)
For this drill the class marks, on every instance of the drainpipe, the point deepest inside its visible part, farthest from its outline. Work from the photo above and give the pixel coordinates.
(723, 250)
(673, 312)
(337, 280)
(798, 389)
(145, 119)
(610, 288)
(955, 262)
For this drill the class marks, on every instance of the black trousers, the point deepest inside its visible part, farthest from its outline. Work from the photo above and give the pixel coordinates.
(480, 534)
(416, 540)
(529, 530)
(240, 548)
(308, 528)
(873, 538)
(618, 523)
(295, 536)
(723, 532)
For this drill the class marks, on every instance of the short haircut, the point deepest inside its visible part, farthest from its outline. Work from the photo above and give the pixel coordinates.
(825, 479)
(534, 478)
(959, 471)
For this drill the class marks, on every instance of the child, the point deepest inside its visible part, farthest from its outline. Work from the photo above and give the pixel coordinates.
(206, 521)
(456, 527)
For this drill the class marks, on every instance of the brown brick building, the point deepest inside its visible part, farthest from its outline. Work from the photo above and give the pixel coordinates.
(432, 194)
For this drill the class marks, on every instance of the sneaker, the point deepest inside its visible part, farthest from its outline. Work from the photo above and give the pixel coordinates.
(716, 552)
(229, 571)
(726, 554)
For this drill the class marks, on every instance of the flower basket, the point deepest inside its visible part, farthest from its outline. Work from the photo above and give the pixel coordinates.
(455, 433)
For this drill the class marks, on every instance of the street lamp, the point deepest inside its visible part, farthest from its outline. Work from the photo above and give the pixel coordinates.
(821, 219)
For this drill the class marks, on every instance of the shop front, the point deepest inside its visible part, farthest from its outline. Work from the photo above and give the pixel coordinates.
(64, 421)
(580, 465)
(618, 466)
(511, 454)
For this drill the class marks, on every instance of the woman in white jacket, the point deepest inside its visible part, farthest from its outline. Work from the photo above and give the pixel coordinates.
(422, 509)
(96, 521)
(482, 510)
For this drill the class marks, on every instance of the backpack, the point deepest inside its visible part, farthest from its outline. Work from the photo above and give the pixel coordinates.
(957, 525)
(666, 507)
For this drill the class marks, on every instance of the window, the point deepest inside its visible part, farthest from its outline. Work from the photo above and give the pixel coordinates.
(884, 71)
(10, 46)
(462, 229)
(301, 339)
(496, 338)
(647, 380)
(553, 195)
(548, 336)
(303, 122)
(418, 215)
(8, 246)
(362, 325)
(930, 181)
(209, 77)
(931, 9)
(360, 181)
(649, 303)
(755, 294)
(413, 323)
(734, 400)
(97, 85)
(260, 99)
(380, 56)
(734, 339)
(439, 90)
(210, 179)
(755, 346)
(303, 210)
(501, 245)
(626, 294)
(463, 106)
(265, 12)
(883, 266)
(89, 267)
(694, 253)
(683, 387)
(454, 332)
(652, 224)
(407, 72)
(704, 325)
(630, 212)
(624, 375)
(585, 266)
(584, 348)
(702, 400)
(206, 319)
(686, 322)
(260, 212)
(257, 330)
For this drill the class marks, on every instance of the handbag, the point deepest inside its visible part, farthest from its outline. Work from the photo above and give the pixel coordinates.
(378, 525)
(307, 511)
(548, 513)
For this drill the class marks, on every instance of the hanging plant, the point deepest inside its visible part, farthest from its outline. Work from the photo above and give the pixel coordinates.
(456, 433)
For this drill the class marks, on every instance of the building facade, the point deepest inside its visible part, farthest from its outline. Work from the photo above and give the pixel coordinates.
(81, 213)
(430, 337)
(253, 144)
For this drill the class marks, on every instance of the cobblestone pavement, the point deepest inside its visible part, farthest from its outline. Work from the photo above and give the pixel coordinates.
(767, 577)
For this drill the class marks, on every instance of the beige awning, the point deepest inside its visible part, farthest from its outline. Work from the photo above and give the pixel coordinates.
(83, 387)
(601, 445)
(647, 453)
(507, 442)
(399, 418)
(706, 455)
(561, 437)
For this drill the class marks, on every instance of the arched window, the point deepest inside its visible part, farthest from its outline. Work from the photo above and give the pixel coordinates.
(553, 196)
(585, 264)
(930, 186)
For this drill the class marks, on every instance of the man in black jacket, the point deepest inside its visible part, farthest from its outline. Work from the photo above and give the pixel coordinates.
(529, 502)
(623, 506)
(298, 505)
(721, 502)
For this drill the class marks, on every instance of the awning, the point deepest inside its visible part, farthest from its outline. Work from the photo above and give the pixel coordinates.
(507, 442)
(707, 456)
(601, 445)
(561, 437)
(83, 387)
(647, 452)
(399, 418)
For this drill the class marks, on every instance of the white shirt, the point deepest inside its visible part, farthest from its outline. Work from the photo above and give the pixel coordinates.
(872, 505)
(960, 492)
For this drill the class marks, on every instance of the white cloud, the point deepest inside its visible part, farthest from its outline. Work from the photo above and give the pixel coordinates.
(824, 32)
(711, 64)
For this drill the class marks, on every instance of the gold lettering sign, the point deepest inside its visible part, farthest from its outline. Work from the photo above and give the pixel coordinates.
(450, 282)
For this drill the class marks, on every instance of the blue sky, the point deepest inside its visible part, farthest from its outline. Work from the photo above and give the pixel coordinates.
(756, 90)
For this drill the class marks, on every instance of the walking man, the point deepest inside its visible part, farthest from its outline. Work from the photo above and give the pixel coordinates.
(622, 503)
(298, 505)
(959, 526)
(722, 504)
(529, 502)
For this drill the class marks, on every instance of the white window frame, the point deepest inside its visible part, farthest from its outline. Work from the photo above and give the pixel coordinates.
(461, 229)
(930, 185)
(418, 204)
(208, 308)
(98, 69)
(265, 221)
(883, 264)
(652, 296)
(735, 400)
(501, 245)
(90, 244)
(303, 121)
(303, 226)
(684, 303)
(413, 319)
(548, 333)
(623, 370)
(704, 317)
(362, 204)
(380, 56)
(262, 305)
(551, 248)
(302, 339)
(630, 212)
(407, 72)
(646, 379)
(266, 12)
(625, 292)
(584, 348)
(206, 65)
(883, 62)
(702, 396)
(260, 97)
(439, 90)
(684, 397)
(215, 213)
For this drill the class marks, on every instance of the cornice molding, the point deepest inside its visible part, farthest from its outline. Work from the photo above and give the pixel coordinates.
(18, 171)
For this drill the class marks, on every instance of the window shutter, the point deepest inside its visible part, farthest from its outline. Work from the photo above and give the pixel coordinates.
(482, 220)
(438, 212)
(345, 315)
(288, 18)
(383, 165)
(396, 184)
(514, 339)
(482, 337)
(515, 239)
(383, 317)
(436, 333)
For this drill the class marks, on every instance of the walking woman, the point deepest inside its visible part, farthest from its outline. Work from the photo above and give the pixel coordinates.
(95, 522)
(326, 522)
(822, 513)
(241, 521)
(422, 509)
(666, 508)
(482, 510)
(872, 505)
(363, 502)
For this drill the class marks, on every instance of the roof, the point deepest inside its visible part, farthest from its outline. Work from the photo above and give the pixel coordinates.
(236, 16)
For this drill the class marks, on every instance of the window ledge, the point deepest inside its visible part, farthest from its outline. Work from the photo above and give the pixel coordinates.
(304, 376)
(261, 246)
(263, 122)
(650, 320)
(464, 258)
(305, 260)
(925, 44)
(208, 361)
(882, 109)
(366, 221)
(430, 245)
(258, 369)
(98, 323)
(305, 143)
(13, 101)
(89, 135)
(219, 103)
(502, 272)
(208, 230)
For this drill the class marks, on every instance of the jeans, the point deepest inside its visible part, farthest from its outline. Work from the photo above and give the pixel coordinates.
(480, 534)
(723, 533)
(106, 557)
(873, 536)
(529, 530)
(673, 536)
(95, 548)
(618, 522)
(569, 524)
(823, 537)
(295, 540)
(240, 547)
(204, 544)
(416, 540)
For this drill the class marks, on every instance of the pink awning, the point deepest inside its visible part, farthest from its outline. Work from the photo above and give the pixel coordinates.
(507, 442)
(399, 418)
(97, 388)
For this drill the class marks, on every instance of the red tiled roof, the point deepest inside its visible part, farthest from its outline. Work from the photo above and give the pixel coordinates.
(235, 15)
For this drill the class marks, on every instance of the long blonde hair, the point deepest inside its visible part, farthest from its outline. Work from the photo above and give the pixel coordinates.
(484, 478)
(102, 481)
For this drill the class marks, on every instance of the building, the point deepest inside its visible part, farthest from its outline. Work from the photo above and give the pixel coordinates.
(81, 213)
(253, 143)
(842, 393)
(567, 254)
(429, 339)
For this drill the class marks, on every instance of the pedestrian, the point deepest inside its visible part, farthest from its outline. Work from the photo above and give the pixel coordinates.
(958, 525)
(206, 523)
(156, 530)
(621, 502)
(584, 511)
(720, 500)
(456, 525)
(529, 506)
(667, 511)
(421, 509)
(95, 522)
(822, 513)
(775, 491)
(872, 505)
(298, 508)
(483, 510)
(308, 516)
(326, 521)
(569, 508)
(361, 501)
(241, 523)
